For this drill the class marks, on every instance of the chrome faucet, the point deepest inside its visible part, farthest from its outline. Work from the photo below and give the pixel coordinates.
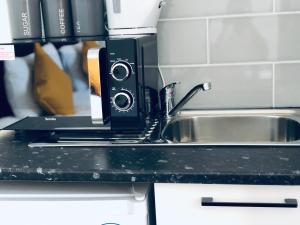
(167, 98)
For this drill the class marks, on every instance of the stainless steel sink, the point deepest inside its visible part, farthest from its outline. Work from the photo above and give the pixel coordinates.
(234, 127)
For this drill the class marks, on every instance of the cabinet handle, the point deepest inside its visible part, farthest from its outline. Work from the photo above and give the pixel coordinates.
(288, 203)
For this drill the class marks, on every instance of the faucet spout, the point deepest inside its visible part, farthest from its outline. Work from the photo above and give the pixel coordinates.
(189, 96)
(168, 94)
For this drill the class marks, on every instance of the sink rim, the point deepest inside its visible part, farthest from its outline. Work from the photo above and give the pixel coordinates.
(293, 114)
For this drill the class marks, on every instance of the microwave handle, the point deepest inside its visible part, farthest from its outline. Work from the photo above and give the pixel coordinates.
(93, 60)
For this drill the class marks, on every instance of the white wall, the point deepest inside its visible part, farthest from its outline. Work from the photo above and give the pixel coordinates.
(5, 33)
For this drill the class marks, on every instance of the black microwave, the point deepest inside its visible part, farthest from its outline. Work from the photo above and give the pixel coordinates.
(130, 83)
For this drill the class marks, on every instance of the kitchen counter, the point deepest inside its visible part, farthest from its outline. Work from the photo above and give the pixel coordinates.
(223, 165)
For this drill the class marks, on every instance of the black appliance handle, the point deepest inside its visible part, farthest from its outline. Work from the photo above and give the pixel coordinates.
(288, 203)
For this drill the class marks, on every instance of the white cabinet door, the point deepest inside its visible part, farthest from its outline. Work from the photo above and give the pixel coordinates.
(77, 212)
(182, 204)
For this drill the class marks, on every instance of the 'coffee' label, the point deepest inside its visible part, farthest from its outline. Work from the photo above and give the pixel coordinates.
(62, 22)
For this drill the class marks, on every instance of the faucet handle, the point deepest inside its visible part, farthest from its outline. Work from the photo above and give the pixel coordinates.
(167, 93)
(169, 86)
(167, 97)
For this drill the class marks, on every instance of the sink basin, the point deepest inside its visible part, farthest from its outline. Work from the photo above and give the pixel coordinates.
(235, 127)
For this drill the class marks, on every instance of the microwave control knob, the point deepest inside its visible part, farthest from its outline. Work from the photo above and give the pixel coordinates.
(123, 101)
(120, 71)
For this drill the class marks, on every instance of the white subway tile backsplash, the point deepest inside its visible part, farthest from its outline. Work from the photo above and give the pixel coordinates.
(232, 86)
(288, 5)
(249, 49)
(287, 80)
(262, 38)
(199, 8)
(182, 42)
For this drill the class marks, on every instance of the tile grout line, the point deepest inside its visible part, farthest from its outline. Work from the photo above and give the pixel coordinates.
(207, 42)
(274, 66)
(273, 84)
(232, 16)
(231, 64)
(274, 6)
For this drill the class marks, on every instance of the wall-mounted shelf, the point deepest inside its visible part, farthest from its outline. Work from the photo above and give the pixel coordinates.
(57, 40)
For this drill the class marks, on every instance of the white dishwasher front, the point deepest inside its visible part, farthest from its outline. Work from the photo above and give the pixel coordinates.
(73, 204)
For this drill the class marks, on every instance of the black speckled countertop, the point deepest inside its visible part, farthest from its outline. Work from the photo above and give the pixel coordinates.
(223, 165)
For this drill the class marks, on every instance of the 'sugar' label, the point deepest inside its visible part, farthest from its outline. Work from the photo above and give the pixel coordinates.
(7, 52)
(26, 24)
